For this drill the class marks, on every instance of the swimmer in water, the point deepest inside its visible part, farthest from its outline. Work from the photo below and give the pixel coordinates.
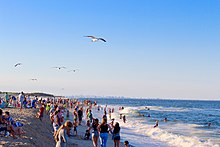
(120, 116)
(157, 123)
(124, 119)
(165, 119)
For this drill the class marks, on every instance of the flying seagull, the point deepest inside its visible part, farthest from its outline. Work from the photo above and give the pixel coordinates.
(17, 64)
(95, 39)
(59, 67)
(33, 79)
(74, 70)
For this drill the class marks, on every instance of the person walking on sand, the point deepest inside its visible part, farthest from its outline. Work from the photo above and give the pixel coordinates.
(95, 133)
(61, 136)
(116, 135)
(103, 128)
(90, 115)
(21, 99)
(80, 115)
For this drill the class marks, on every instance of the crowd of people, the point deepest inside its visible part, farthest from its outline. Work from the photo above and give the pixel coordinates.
(66, 116)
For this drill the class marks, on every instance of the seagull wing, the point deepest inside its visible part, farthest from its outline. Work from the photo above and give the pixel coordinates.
(17, 64)
(33, 79)
(102, 39)
(91, 37)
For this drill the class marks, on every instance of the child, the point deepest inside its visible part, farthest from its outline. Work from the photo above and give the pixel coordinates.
(87, 135)
(88, 124)
(41, 112)
(126, 143)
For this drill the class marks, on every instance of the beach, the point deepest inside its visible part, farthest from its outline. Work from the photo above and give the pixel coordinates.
(185, 124)
(39, 134)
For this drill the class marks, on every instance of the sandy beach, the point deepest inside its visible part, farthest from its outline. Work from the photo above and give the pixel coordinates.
(39, 134)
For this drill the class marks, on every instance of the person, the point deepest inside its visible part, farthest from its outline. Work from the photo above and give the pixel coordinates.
(109, 113)
(87, 135)
(116, 135)
(48, 105)
(14, 101)
(33, 103)
(41, 112)
(2, 123)
(120, 116)
(165, 119)
(61, 136)
(6, 97)
(95, 133)
(25, 102)
(124, 119)
(80, 115)
(157, 123)
(75, 124)
(67, 113)
(90, 115)
(88, 124)
(56, 121)
(8, 121)
(112, 123)
(103, 128)
(126, 143)
(21, 99)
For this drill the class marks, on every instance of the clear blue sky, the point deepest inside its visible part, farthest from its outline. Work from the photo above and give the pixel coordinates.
(154, 48)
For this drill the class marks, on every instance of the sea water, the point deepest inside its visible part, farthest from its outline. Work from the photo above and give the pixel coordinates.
(187, 124)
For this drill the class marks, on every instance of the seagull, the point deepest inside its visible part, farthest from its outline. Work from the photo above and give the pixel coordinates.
(59, 67)
(18, 64)
(95, 39)
(74, 70)
(33, 79)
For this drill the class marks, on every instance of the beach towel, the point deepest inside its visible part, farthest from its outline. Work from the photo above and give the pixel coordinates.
(18, 124)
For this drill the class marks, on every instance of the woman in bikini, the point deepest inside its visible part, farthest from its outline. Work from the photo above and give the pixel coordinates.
(116, 135)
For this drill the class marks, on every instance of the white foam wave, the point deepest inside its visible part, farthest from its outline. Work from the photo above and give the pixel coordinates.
(136, 128)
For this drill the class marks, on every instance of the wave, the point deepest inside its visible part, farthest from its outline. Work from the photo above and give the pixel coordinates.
(173, 134)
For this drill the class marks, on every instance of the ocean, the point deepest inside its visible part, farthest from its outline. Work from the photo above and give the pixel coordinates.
(187, 124)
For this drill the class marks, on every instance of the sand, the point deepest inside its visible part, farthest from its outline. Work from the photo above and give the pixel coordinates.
(39, 134)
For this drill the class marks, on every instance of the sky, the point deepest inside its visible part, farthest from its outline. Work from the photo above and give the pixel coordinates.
(154, 49)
